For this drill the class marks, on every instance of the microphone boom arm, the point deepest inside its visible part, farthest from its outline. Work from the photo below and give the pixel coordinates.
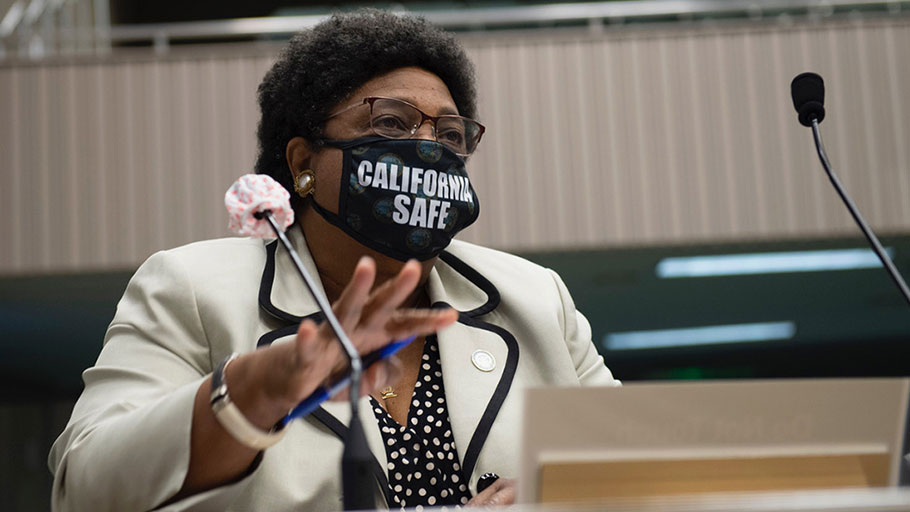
(356, 460)
(867, 231)
(349, 349)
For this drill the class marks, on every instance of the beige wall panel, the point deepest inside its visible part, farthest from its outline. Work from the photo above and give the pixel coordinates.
(7, 162)
(644, 136)
(691, 135)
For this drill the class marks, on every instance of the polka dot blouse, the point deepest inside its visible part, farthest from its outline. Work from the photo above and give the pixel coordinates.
(423, 462)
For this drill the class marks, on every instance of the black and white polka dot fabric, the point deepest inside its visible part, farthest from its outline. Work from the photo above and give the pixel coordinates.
(423, 462)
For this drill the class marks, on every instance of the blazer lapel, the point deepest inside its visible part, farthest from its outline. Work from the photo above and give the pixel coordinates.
(337, 415)
(282, 292)
(475, 389)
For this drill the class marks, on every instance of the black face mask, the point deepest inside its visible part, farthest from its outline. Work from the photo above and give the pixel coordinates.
(405, 198)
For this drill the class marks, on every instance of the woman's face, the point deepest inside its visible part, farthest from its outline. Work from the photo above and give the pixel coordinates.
(415, 85)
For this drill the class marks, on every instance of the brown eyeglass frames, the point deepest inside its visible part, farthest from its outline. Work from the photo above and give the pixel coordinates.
(398, 119)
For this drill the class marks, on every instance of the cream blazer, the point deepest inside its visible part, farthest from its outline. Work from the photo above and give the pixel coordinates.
(126, 447)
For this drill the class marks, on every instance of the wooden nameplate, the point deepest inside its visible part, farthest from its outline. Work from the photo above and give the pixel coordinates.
(562, 482)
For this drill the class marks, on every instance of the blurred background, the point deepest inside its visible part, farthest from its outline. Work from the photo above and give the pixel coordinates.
(646, 150)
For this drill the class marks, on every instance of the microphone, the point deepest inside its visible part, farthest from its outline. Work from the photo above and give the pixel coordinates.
(808, 93)
(260, 207)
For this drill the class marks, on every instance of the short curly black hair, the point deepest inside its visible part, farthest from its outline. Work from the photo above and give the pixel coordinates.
(321, 66)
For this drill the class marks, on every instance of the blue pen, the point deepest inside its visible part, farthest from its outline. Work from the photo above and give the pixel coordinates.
(322, 393)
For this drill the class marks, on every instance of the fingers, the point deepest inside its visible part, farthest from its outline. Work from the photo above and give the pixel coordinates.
(377, 376)
(349, 305)
(348, 309)
(392, 293)
(304, 343)
(500, 492)
(370, 320)
(419, 322)
(318, 353)
(291, 371)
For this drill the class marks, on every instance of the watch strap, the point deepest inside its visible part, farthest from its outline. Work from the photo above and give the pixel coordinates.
(232, 419)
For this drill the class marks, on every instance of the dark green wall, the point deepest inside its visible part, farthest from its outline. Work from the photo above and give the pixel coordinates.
(848, 322)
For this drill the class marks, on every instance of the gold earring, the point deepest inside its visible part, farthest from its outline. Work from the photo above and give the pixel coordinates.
(305, 183)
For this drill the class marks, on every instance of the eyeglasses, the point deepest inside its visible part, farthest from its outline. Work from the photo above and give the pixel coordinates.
(397, 119)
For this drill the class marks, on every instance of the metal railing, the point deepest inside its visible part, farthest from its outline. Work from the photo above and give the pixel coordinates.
(33, 29)
(24, 16)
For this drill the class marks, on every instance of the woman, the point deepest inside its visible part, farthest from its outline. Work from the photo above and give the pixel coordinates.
(366, 119)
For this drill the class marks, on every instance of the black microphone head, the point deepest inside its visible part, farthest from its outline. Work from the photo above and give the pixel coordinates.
(808, 92)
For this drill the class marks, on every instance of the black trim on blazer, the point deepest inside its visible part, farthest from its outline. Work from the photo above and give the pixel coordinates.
(287, 330)
(273, 335)
(340, 430)
(499, 394)
(493, 297)
(265, 287)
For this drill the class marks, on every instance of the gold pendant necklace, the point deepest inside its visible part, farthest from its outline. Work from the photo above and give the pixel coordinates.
(387, 392)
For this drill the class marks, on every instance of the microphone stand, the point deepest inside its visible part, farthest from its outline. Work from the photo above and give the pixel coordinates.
(356, 477)
(867, 231)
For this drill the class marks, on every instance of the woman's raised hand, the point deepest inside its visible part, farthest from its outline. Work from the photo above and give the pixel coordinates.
(289, 372)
